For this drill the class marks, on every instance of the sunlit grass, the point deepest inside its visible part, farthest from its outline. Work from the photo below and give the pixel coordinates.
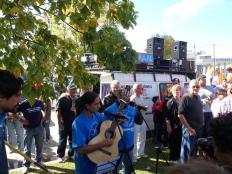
(143, 165)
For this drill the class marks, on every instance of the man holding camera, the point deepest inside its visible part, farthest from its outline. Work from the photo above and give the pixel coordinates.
(140, 130)
(206, 94)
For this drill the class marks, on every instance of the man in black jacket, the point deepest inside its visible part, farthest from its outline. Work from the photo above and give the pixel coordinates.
(66, 113)
(110, 98)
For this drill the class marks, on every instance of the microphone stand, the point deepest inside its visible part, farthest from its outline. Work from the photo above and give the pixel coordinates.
(145, 122)
(139, 108)
(123, 142)
(125, 150)
(158, 154)
(122, 104)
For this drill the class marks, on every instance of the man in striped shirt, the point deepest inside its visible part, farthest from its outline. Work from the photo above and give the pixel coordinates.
(225, 105)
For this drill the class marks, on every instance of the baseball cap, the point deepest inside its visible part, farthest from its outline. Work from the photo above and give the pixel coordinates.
(175, 80)
(71, 86)
(202, 76)
(229, 69)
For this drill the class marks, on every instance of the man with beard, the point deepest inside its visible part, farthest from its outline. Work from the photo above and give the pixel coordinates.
(206, 94)
(110, 98)
(10, 88)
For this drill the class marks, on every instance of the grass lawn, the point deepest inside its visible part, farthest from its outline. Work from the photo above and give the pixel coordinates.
(143, 165)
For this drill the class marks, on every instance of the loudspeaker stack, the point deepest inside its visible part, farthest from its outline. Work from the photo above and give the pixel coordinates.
(179, 50)
(155, 46)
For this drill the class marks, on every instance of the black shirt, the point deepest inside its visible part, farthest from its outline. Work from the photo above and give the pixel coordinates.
(191, 107)
(171, 113)
(64, 105)
(109, 99)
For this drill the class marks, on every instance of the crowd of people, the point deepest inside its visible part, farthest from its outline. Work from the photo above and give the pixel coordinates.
(180, 120)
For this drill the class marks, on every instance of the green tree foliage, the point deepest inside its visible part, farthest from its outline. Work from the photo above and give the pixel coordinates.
(40, 38)
(168, 40)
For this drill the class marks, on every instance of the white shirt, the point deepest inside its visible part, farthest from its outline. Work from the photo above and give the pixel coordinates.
(139, 101)
(215, 107)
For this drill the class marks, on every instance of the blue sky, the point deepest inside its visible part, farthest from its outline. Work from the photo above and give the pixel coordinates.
(199, 22)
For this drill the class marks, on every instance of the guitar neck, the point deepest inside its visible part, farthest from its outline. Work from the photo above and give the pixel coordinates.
(113, 126)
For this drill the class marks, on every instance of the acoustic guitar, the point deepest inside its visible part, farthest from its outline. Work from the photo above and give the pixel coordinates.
(108, 130)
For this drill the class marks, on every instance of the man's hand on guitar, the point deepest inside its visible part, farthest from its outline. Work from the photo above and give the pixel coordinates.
(61, 126)
(121, 120)
(107, 142)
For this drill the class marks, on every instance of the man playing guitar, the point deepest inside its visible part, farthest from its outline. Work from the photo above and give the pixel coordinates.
(84, 128)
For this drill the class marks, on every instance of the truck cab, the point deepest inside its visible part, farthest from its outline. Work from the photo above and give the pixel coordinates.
(154, 83)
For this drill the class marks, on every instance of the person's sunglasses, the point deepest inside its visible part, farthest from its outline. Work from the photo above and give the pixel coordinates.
(196, 86)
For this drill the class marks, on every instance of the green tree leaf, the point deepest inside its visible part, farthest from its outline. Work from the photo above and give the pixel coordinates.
(40, 41)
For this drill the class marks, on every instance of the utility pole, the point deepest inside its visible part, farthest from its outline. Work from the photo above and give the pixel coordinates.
(214, 61)
(194, 48)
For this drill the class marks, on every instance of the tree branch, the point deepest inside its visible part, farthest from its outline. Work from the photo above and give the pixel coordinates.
(15, 35)
(28, 40)
(59, 18)
(12, 30)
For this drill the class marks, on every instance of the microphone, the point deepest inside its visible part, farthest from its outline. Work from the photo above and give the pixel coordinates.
(139, 107)
(116, 115)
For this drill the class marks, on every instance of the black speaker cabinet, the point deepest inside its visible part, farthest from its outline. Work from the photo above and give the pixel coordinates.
(179, 50)
(162, 64)
(187, 66)
(155, 46)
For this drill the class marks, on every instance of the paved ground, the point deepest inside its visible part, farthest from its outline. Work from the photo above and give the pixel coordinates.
(49, 150)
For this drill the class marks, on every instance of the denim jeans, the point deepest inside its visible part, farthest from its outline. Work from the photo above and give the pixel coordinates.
(64, 134)
(46, 126)
(189, 144)
(3, 157)
(158, 131)
(208, 116)
(37, 134)
(17, 127)
(126, 162)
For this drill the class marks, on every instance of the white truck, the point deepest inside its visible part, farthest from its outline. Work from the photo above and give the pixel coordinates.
(155, 84)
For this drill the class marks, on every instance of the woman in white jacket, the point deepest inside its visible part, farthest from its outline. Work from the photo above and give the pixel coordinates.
(220, 93)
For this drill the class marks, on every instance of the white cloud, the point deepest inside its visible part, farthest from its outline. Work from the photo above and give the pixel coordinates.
(138, 37)
(185, 9)
(180, 12)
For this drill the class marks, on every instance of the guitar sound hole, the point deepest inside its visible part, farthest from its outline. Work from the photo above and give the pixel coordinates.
(109, 134)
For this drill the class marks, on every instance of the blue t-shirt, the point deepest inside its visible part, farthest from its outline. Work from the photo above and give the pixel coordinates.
(84, 128)
(128, 126)
(32, 113)
(3, 158)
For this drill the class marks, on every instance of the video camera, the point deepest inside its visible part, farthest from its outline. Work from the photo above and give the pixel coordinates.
(206, 146)
(139, 107)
